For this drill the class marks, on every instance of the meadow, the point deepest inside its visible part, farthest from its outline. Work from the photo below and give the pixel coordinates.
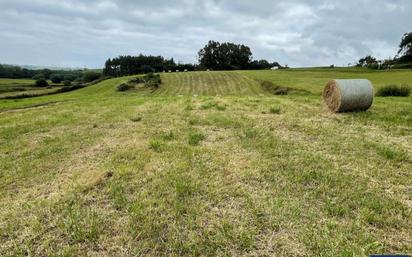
(14, 88)
(209, 164)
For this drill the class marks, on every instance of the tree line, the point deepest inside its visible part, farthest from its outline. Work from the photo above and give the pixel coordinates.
(56, 76)
(403, 58)
(213, 56)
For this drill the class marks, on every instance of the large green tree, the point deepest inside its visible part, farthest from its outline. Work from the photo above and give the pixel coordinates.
(367, 61)
(225, 56)
(405, 48)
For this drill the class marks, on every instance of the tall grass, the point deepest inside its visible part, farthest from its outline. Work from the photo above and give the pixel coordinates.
(394, 90)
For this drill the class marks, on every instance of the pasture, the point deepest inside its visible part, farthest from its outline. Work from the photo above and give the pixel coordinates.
(210, 164)
(15, 88)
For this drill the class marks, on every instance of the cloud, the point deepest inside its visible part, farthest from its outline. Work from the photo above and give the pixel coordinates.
(298, 33)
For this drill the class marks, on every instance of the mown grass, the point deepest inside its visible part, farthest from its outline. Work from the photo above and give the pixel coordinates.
(23, 88)
(98, 172)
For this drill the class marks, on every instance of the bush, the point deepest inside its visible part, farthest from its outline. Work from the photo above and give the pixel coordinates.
(124, 87)
(152, 80)
(394, 90)
(135, 80)
(90, 76)
(403, 66)
(56, 78)
(274, 89)
(41, 83)
(67, 83)
(152, 84)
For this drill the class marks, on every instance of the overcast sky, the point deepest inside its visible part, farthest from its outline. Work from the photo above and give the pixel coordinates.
(84, 33)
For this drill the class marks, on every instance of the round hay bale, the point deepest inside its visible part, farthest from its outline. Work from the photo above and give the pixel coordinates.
(348, 95)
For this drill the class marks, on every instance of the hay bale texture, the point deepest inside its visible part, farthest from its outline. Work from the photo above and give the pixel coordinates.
(348, 95)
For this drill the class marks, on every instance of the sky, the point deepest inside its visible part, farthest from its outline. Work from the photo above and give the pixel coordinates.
(84, 33)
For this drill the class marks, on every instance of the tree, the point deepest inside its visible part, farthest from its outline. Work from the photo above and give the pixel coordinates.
(224, 56)
(130, 65)
(90, 76)
(41, 83)
(405, 48)
(56, 78)
(367, 61)
(38, 76)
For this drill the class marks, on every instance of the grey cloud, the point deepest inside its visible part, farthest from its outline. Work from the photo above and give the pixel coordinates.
(299, 33)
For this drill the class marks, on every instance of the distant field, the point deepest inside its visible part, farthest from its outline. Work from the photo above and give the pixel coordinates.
(8, 82)
(210, 164)
(315, 79)
(19, 87)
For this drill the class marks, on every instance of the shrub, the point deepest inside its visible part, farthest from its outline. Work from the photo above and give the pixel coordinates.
(152, 80)
(124, 87)
(67, 83)
(274, 89)
(152, 76)
(135, 80)
(152, 84)
(394, 90)
(90, 76)
(41, 83)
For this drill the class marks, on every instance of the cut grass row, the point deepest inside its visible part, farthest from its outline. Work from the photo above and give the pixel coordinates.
(208, 84)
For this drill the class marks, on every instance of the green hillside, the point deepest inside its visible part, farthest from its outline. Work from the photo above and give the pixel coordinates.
(209, 83)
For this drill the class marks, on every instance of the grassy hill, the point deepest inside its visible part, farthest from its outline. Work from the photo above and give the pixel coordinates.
(209, 84)
(233, 171)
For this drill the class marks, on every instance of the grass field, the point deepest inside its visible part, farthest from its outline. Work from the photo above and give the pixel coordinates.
(19, 87)
(208, 165)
